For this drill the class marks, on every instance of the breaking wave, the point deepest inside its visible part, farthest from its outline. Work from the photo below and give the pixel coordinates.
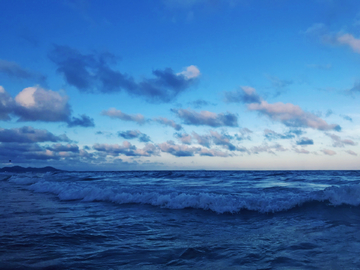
(219, 203)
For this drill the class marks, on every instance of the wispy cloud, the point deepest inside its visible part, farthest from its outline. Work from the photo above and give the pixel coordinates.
(134, 134)
(328, 152)
(114, 113)
(206, 118)
(338, 142)
(321, 32)
(272, 135)
(245, 94)
(15, 71)
(167, 122)
(351, 152)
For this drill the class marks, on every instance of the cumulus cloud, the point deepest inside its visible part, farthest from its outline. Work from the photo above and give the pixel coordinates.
(206, 118)
(93, 73)
(133, 134)
(38, 104)
(305, 141)
(29, 135)
(13, 70)
(338, 142)
(177, 150)
(245, 94)
(167, 122)
(328, 152)
(114, 113)
(190, 72)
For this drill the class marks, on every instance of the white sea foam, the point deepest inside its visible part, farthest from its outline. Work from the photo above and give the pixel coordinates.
(219, 203)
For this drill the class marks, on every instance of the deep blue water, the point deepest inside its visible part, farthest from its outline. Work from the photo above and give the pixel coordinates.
(180, 220)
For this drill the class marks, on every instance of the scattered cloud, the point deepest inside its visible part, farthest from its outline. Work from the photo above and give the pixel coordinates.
(338, 142)
(15, 71)
(279, 84)
(81, 121)
(177, 150)
(93, 73)
(183, 138)
(38, 104)
(346, 117)
(351, 152)
(292, 115)
(328, 113)
(204, 140)
(305, 141)
(114, 113)
(222, 139)
(199, 103)
(272, 135)
(126, 149)
(7, 105)
(328, 152)
(133, 134)
(268, 148)
(212, 153)
(244, 134)
(206, 118)
(321, 32)
(245, 94)
(28, 134)
(301, 151)
(64, 148)
(167, 122)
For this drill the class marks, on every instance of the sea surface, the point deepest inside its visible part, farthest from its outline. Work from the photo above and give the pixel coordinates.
(180, 220)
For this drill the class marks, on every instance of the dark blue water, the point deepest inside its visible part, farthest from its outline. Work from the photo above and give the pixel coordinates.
(180, 220)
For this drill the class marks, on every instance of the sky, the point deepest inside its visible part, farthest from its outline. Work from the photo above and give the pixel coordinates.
(180, 84)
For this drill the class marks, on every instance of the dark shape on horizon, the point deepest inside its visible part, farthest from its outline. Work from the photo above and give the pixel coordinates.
(19, 169)
(9, 160)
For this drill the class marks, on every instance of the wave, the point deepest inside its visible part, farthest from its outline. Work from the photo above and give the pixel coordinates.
(219, 203)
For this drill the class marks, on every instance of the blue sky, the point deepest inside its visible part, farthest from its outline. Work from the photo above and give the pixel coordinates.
(180, 84)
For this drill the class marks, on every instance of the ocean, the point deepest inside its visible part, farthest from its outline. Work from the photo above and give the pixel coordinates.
(180, 220)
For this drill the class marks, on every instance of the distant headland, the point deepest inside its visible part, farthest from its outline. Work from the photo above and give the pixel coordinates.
(19, 169)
